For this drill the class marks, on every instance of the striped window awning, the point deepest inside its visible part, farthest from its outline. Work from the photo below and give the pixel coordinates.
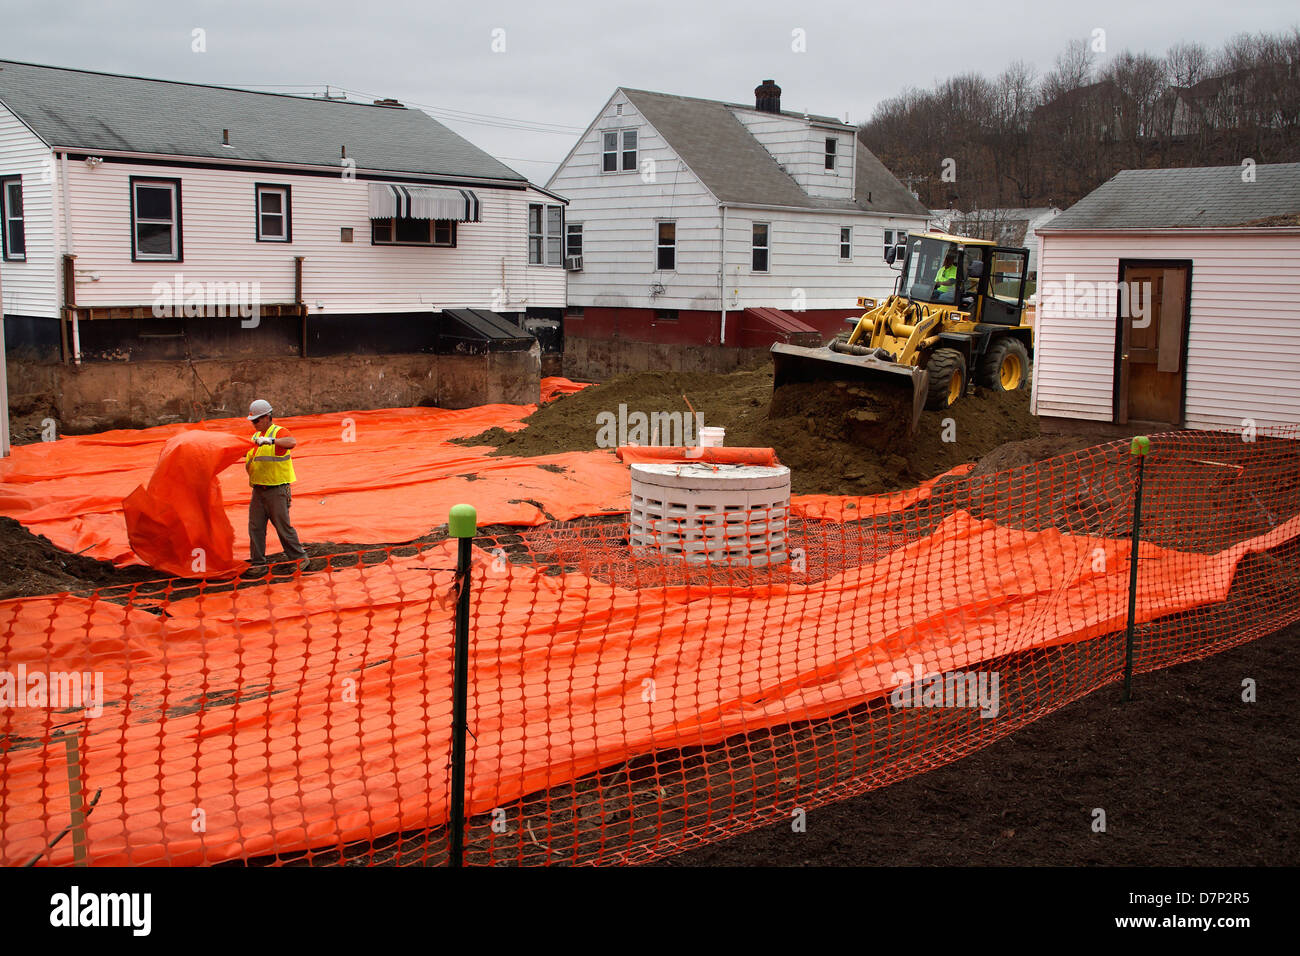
(399, 201)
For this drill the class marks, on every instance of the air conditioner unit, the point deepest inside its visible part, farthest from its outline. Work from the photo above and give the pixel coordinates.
(573, 263)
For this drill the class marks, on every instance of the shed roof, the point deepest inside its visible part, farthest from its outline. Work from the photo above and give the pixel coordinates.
(1210, 196)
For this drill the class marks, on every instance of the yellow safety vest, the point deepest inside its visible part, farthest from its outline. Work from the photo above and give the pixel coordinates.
(271, 465)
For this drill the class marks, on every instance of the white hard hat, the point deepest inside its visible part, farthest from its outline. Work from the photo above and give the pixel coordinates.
(258, 409)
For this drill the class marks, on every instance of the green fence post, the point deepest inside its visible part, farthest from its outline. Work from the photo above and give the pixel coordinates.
(1139, 449)
(462, 523)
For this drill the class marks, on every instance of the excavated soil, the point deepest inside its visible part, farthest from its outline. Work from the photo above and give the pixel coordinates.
(836, 437)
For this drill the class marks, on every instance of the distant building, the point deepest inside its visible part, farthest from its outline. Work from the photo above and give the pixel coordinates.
(657, 181)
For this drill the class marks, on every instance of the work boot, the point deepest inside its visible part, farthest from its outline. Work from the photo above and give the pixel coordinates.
(254, 571)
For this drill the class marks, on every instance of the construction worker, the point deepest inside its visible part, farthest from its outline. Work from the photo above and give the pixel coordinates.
(269, 464)
(945, 283)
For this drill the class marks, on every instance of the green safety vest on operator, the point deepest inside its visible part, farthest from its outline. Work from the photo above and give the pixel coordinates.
(271, 465)
(946, 280)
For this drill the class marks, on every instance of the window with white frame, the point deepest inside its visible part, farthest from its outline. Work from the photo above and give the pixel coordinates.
(846, 242)
(761, 245)
(573, 239)
(831, 146)
(156, 219)
(13, 228)
(273, 223)
(898, 239)
(616, 144)
(666, 246)
(545, 235)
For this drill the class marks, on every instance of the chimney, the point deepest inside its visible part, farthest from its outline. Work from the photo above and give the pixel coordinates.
(767, 97)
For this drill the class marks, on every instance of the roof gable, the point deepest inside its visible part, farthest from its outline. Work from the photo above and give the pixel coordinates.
(79, 109)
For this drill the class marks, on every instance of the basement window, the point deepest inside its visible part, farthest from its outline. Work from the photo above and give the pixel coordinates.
(413, 232)
(273, 224)
(13, 228)
(155, 220)
(665, 315)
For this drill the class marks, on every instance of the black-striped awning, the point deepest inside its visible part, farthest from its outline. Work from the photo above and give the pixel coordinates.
(399, 201)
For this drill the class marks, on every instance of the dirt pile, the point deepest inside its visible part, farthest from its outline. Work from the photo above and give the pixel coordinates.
(30, 565)
(837, 438)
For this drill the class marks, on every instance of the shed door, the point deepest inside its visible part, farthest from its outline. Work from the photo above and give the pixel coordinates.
(1153, 333)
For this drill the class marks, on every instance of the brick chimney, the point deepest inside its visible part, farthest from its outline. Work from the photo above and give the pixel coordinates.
(767, 97)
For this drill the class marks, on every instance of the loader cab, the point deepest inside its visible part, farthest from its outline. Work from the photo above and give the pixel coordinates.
(989, 280)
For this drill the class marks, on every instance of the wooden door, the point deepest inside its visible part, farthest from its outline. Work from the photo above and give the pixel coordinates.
(1153, 332)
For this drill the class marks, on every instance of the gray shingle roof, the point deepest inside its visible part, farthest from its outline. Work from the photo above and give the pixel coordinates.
(735, 167)
(84, 110)
(1168, 198)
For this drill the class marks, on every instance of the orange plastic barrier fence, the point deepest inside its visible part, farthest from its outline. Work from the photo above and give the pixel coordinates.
(623, 705)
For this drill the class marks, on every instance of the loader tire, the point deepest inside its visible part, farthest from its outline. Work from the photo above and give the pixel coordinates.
(1005, 366)
(947, 368)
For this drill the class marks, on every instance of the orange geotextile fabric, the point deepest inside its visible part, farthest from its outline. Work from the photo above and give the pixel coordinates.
(553, 387)
(679, 455)
(556, 676)
(365, 477)
(851, 508)
(178, 523)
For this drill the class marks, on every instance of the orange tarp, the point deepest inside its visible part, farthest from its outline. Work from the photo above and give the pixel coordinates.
(557, 673)
(554, 386)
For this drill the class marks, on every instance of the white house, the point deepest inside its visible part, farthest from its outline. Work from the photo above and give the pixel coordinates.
(1172, 296)
(151, 219)
(1007, 226)
(657, 181)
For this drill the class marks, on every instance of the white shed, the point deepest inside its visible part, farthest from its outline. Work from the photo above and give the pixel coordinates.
(1172, 297)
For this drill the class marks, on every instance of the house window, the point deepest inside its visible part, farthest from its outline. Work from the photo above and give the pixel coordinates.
(273, 223)
(898, 239)
(665, 315)
(576, 312)
(12, 226)
(156, 219)
(412, 232)
(612, 139)
(545, 235)
(846, 242)
(666, 248)
(573, 239)
(761, 245)
(831, 145)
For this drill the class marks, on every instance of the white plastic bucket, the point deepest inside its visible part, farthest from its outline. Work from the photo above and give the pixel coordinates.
(712, 437)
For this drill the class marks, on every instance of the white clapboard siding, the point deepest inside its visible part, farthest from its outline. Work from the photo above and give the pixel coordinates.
(31, 287)
(801, 151)
(619, 212)
(487, 269)
(804, 265)
(1243, 349)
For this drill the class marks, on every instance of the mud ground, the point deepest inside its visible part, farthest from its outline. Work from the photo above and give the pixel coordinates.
(837, 438)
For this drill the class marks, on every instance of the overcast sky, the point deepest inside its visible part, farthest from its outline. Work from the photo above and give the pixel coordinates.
(557, 63)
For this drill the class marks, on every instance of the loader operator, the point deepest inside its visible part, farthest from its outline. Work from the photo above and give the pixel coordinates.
(270, 473)
(945, 283)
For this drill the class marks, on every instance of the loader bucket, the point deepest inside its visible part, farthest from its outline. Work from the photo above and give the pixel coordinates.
(793, 364)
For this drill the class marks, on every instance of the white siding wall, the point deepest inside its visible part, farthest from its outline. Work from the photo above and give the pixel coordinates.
(801, 150)
(618, 212)
(31, 287)
(805, 254)
(219, 246)
(1243, 351)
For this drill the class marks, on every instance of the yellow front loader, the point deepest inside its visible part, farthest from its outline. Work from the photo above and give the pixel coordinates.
(956, 317)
